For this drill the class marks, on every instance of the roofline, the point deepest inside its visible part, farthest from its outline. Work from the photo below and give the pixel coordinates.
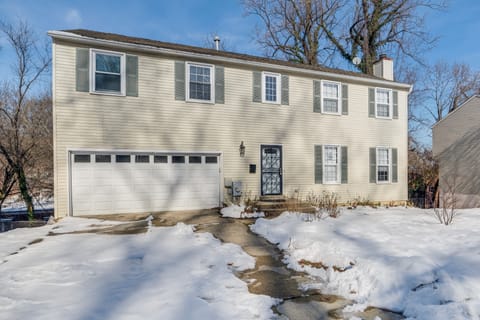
(448, 115)
(88, 40)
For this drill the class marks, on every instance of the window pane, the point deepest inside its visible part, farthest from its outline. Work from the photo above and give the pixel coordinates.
(82, 158)
(330, 173)
(122, 158)
(331, 155)
(194, 159)
(330, 90)
(271, 88)
(210, 159)
(330, 105)
(142, 158)
(382, 157)
(178, 159)
(383, 110)
(160, 159)
(382, 172)
(107, 82)
(107, 63)
(102, 158)
(200, 87)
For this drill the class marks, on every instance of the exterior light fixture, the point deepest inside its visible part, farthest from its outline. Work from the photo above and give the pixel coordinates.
(242, 150)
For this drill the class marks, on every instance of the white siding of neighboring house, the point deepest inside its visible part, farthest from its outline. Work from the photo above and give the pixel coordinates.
(455, 146)
(156, 121)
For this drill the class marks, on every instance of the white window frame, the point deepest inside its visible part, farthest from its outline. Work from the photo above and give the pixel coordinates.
(339, 98)
(278, 89)
(212, 81)
(389, 150)
(93, 70)
(339, 164)
(390, 100)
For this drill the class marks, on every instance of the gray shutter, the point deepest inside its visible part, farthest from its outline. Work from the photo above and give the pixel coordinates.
(371, 102)
(394, 165)
(82, 70)
(257, 86)
(132, 76)
(219, 85)
(317, 96)
(318, 165)
(373, 165)
(395, 104)
(344, 99)
(344, 154)
(285, 90)
(179, 80)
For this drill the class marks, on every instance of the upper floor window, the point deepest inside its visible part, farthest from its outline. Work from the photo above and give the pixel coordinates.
(200, 82)
(271, 87)
(331, 97)
(108, 72)
(383, 164)
(383, 103)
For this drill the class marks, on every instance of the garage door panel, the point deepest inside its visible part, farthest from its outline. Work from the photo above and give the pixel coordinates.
(102, 188)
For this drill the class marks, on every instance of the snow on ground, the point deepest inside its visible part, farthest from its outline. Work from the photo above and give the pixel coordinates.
(236, 211)
(167, 273)
(400, 259)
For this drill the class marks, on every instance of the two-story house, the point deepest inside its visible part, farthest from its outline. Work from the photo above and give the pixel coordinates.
(142, 125)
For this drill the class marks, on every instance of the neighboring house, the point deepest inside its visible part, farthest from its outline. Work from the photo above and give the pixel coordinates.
(457, 149)
(142, 125)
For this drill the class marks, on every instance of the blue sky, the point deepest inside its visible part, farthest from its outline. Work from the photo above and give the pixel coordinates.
(191, 21)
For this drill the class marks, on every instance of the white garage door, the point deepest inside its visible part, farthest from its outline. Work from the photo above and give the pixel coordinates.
(103, 183)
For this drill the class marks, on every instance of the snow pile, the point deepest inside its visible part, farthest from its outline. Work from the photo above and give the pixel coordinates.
(236, 211)
(397, 258)
(167, 273)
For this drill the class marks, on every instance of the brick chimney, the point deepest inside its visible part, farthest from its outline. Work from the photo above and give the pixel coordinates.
(383, 67)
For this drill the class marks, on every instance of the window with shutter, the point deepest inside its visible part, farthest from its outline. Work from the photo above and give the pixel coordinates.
(107, 72)
(200, 82)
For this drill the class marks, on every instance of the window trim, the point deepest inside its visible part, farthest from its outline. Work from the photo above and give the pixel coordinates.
(339, 164)
(390, 106)
(278, 97)
(212, 81)
(339, 98)
(123, 72)
(389, 150)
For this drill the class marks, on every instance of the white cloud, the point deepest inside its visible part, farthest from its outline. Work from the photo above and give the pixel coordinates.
(73, 18)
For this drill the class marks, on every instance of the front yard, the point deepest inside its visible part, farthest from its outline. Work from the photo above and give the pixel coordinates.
(400, 259)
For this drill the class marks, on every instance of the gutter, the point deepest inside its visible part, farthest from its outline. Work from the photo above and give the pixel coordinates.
(62, 35)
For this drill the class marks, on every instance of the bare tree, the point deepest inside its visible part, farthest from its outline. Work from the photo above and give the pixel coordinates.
(293, 29)
(306, 30)
(446, 87)
(446, 211)
(18, 140)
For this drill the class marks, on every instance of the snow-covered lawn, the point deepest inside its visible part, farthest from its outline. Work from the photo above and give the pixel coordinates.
(167, 273)
(400, 259)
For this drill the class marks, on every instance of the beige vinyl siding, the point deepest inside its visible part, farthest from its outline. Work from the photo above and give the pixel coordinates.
(455, 146)
(156, 121)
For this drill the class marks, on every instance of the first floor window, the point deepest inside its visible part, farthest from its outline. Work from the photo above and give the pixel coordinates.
(271, 87)
(383, 103)
(200, 82)
(108, 72)
(330, 97)
(331, 164)
(383, 165)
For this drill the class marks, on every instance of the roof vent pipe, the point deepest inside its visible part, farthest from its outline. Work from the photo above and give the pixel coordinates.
(217, 42)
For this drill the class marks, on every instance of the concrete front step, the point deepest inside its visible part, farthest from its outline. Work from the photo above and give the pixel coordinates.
(279, 198)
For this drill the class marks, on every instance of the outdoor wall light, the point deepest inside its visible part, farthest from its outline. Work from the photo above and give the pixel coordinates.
(242, 150)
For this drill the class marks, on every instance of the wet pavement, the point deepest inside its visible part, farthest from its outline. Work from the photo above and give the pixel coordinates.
(269, 277)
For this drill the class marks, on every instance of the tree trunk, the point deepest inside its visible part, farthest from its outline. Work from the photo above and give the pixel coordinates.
(24, 191)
